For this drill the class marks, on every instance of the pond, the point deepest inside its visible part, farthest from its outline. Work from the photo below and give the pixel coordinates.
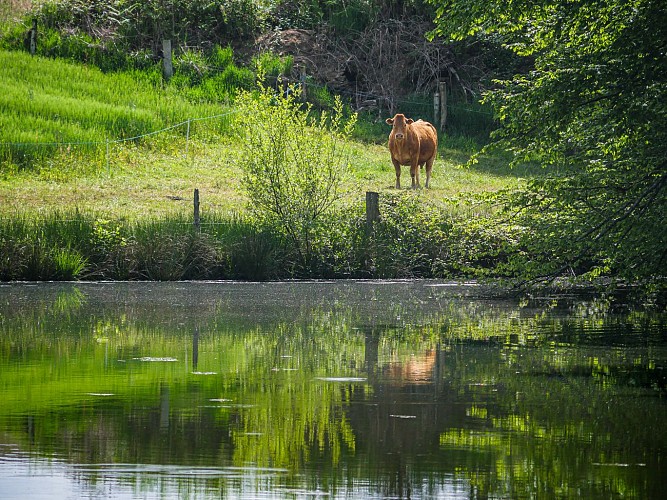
(416, 389)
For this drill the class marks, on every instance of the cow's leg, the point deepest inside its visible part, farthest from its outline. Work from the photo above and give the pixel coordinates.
(429, 167)
(397, 166)
(414, 173)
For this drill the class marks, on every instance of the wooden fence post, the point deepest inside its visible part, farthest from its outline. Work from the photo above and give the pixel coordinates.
(302, 79)
(436, 108)
(167, 69)
(33, 37)
(443, 105)
(372, 210)
(195, 348)
(197, 220)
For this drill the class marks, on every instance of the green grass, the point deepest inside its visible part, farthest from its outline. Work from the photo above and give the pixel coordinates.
(46, 101)
(123, 210)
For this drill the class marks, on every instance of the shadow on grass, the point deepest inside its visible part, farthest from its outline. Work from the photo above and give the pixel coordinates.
(497, 165)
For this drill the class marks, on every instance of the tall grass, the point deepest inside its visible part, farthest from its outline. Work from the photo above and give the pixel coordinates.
(412, 239)
(45, 103)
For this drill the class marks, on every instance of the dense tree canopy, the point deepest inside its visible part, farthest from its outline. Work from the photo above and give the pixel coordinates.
(593, 111)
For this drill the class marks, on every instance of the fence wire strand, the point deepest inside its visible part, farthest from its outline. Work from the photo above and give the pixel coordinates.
(117, 141)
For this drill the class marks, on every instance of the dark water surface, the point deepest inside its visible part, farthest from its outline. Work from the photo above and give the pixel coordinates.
(327, 390)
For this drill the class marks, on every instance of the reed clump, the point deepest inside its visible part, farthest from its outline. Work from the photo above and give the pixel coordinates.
(413, 239)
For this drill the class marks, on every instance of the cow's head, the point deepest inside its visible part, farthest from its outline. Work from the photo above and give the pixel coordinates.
(399, 125)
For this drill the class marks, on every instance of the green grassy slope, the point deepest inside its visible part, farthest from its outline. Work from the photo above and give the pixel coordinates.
(56, 119)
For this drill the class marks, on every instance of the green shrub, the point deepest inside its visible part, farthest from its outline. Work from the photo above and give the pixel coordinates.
(221, 57)
(225, 85)
(255, 252)
(116, 27)
(285, 14)
(293, 164)
(341, 244)
(171, 249)
(411, 239)
(414, 238)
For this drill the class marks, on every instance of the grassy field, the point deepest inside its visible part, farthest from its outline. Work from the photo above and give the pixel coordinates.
(97, 173)
(56, 118)
(143, 181)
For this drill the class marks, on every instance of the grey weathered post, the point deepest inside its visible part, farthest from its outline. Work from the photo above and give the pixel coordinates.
(436, 108)
(302, 79)
(167, 69)
(372, 210)
(33, 37)
(197, 220)
(443, 105)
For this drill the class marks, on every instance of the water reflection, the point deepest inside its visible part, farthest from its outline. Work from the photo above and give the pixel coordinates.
(347, 390)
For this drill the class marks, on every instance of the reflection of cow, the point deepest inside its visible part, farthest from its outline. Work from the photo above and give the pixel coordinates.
(413, 143)
(417, 370)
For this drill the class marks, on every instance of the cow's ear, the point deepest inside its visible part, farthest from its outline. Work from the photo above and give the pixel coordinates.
(390, 121)
(409, 121)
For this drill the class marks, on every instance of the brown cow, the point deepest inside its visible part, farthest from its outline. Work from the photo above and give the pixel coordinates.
(413, 143)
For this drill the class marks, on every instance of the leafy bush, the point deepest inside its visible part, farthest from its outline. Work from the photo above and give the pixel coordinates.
(411, 239)
(272, 67)
(414, 238)
(255, 252)
(286, 14)
(293, 164)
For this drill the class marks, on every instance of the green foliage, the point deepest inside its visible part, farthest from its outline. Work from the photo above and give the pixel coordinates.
(254, 252)
(272, 67)
(124, 27)
(107, 235)
(321, 97)
(593, 112)
(54, 246)
(285, 14)
(351, 16)
(411, 239)
(293, 163)
(344, 17)
(207, 78)
(414, 238)
(221, 57)
(173, 250)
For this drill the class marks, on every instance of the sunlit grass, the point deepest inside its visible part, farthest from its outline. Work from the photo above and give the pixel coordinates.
(44, 101)
(150, 180)
(47, 105)
(137, 184)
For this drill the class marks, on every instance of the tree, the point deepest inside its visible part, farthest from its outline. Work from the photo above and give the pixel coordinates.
(593, 111)
(293, 163)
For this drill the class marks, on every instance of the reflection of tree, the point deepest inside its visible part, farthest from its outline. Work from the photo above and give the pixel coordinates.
(508, 400)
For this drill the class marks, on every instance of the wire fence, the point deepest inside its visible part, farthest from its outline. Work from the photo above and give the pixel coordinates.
(109, 142)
